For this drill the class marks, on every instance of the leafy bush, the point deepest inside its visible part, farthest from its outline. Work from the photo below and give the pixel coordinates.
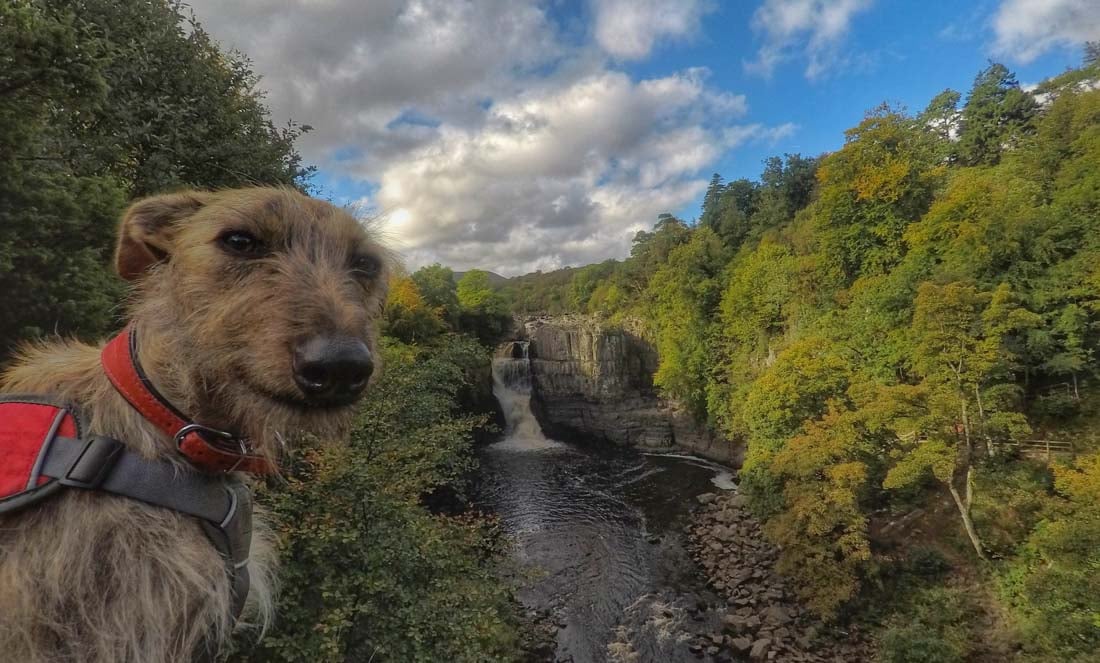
(1054, 583)
(368, 573)
(933, 628)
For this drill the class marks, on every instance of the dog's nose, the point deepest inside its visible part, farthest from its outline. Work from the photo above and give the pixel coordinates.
(329, 368)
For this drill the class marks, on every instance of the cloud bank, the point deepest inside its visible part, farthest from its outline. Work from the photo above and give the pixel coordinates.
(491, 133)
(1025, 29)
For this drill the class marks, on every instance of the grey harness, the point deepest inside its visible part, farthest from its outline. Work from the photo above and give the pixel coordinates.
(221, 503)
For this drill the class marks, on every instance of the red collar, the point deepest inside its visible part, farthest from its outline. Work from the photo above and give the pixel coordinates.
(194, 441)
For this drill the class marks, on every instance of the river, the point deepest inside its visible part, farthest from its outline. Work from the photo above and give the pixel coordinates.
(597, 534)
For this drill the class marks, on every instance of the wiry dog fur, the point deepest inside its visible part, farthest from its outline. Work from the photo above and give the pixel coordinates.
(86, 576)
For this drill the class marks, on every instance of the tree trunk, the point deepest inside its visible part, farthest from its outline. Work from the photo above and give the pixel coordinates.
(981, 420)
(966, 430)
(964, 512)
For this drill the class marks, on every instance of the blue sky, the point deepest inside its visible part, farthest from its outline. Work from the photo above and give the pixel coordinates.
(531, 134)
(904, 53)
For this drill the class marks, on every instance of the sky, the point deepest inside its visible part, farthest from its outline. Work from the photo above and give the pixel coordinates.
(523, 135)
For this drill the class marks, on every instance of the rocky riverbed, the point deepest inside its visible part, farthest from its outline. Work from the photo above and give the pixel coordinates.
(762, 620)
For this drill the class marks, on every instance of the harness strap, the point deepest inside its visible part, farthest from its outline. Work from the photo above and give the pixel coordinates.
(223, 504)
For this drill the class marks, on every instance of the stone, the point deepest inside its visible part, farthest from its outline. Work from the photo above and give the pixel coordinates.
(706, 498)
(760, 649)
(777, 614)
(742, 644)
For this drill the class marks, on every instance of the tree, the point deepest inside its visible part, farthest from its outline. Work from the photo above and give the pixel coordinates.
(941, 118)
(997, 113)
(822, 530)
(366, 571)
(1053, 584)
(56, 224)
(179, 113)
(711, 198)
(682, 298)
(437, 286)
(484, 311)
(882, 180)
(407, 317)
(962, 349)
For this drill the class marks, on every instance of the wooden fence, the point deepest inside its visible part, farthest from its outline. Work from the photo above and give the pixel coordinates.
(1043, 449)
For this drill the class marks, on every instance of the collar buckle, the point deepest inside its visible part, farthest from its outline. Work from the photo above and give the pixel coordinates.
(206, 430)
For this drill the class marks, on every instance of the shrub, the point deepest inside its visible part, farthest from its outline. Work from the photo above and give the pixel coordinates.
(367, 572)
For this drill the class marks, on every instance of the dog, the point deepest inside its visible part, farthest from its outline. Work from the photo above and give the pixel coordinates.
(254, 312)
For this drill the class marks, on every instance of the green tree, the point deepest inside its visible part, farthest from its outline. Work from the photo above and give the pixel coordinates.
(437, 286)
(484, 310)
(996, 115)
(56, 224)
(822, 529)
(882, 180)
(101, 101)
(682, 297)
(367, 572)
(962, 350)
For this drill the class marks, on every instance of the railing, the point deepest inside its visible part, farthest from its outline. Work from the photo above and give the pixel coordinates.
(1048, 449)
(1042, 449)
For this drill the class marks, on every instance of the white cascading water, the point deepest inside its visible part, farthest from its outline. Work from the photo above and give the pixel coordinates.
(512, 388)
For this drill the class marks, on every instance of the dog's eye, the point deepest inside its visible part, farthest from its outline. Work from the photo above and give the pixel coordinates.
(241, 243)
(368, 266)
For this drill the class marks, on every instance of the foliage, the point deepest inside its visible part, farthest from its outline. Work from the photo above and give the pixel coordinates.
(1054, 584)
(932, 628)
(408, 317)
(879, 325)
(682, 298)
(367, 572)
(484, 311)
(438, 287)
(822, 530)
(101, 101)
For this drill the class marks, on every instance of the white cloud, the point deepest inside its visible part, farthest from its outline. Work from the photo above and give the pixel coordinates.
(628, 29)
(1025, 29)
(810, 29)
(563, 174)
(486, 136)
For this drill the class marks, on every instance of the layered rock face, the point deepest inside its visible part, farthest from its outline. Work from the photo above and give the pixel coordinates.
(597, 382)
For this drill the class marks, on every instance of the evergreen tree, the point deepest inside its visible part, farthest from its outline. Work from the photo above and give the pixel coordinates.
(997, 113)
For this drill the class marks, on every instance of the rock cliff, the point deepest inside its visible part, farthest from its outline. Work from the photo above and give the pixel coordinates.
(596, 381)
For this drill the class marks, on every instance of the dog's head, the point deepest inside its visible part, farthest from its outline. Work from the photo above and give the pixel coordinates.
(258, 307)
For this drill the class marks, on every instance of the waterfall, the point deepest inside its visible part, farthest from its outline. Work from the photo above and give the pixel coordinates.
(512, 388)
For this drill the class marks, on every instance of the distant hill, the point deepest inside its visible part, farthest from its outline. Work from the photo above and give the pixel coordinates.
(495, 280)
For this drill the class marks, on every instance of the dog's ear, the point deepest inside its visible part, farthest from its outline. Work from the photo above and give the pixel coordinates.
(147, 229)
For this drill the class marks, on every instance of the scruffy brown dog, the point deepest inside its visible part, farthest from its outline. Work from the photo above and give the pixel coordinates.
(254, 312)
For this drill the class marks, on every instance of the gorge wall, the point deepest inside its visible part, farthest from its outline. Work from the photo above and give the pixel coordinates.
(596, 381)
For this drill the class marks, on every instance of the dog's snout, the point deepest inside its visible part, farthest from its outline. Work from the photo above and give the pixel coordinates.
(332, 369)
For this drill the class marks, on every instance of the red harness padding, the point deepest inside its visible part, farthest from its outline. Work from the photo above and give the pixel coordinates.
(45, 448)
(26, 426)
(208, 449)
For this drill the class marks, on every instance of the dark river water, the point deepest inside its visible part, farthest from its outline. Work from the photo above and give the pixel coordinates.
(597, 534)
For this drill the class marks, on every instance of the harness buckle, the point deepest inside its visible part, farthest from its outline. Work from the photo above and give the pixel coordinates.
(94, 463)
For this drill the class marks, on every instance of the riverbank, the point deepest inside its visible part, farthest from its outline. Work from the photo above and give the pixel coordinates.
(763, 620)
